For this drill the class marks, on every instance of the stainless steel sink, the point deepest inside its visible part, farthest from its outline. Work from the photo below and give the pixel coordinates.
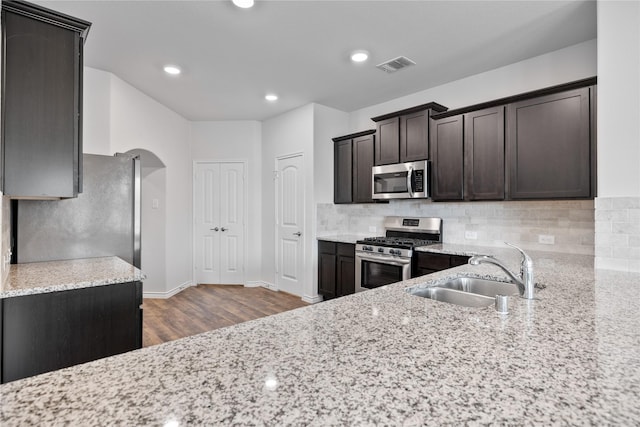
(453, 296)
(466, 291)
(490, 288)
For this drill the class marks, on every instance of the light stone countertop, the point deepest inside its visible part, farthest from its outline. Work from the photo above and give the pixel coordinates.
(52, 276)
(380, 357)
(343, 238)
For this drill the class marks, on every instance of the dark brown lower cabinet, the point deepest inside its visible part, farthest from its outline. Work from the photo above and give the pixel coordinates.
(49, 331)
(427, 263)
(336, 269)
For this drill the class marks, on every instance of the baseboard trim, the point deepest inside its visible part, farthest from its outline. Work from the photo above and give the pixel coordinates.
(312, 300)
(168, 294)
(256, 284)
(260, 283)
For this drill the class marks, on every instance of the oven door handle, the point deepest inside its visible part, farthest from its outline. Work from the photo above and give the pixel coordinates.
(385, 260)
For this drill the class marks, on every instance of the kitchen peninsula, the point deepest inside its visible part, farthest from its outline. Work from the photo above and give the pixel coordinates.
(380, 357)
(61, 313)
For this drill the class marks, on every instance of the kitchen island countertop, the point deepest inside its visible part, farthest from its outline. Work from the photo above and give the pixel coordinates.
(52, 276)
(379, 357)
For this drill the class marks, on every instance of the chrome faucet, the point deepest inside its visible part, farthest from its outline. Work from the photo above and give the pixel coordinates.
(524, 280)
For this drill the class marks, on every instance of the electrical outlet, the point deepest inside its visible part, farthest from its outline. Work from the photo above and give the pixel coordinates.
(546, 239)
(372, 229)
(471, 235)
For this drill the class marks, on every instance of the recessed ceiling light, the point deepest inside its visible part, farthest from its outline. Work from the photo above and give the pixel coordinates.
(172, 69)
(359, 56)
(271, 97)
(245, 4)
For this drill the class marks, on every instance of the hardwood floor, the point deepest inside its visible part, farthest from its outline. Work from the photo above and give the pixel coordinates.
(206, 307)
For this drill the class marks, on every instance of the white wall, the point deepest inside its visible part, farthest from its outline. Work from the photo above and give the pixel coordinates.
(138, 121)
(618, 98)
(288, 133)
(96, 115)
(231, 141)
(618, 203)
(572, 63)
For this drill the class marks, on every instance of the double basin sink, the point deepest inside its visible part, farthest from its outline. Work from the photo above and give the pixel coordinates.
(466, 291)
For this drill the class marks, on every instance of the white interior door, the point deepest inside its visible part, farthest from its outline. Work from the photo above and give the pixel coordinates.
(219, 223)
(232, 223)
(290, 257)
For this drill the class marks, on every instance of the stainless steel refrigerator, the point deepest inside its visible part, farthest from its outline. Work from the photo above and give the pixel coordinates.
(103, 220)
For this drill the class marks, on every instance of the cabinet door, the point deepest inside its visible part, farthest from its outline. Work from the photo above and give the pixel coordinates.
(362, 164)
(346, 269)
(549, 145)
(55, 330)
(447, 159)
(387, 142)
(327, 258)
(414, 136)
(41, 99)
(484, 154)
(343, 164)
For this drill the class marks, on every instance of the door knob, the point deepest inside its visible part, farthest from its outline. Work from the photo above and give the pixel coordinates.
(223, 229)
(214, 229)
(297, 233)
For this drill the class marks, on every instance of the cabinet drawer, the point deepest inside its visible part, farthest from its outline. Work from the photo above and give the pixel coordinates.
(325, 247)
(347, 249)
(433, 261)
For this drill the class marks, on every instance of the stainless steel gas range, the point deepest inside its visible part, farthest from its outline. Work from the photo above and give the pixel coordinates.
(387, 259)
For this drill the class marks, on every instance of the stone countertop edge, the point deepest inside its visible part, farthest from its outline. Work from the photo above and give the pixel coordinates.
(343, 238)
(54, 276)
(379, 357)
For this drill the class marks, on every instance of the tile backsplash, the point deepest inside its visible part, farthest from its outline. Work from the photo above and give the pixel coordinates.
(617, 225)
(570, 222)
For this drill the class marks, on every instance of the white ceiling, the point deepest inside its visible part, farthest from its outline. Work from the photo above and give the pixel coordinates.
(232, 57)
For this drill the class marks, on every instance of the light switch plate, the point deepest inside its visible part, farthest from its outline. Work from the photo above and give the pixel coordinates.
(546, 239)
(471, 235)
(155, 204)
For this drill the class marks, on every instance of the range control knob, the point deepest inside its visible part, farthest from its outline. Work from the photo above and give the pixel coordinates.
(367, 248)
(394, 252)
(381, 250)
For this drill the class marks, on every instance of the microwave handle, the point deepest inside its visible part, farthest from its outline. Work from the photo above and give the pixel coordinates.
(409, 186)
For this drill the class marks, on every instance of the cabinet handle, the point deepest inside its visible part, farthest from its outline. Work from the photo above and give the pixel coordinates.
(214, 229)
(297, 233)
(223, 229)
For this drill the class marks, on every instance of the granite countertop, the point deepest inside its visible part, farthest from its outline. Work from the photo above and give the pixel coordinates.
(52, 276)
(380, 357)
(343, 238)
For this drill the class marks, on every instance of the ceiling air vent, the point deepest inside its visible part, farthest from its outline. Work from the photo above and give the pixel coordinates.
(395, 64)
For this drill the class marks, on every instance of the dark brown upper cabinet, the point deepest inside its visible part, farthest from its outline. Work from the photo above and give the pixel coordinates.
(387, 142)
(468, 156)
(549, 145)
(447, 158)
(484, 154)
(363, 154)
(343, 172)
(535, 145)
(41, 102)
(352, 163)
(403, 136)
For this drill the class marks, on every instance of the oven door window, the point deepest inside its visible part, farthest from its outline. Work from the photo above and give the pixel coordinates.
(395, 182)
(375, 274)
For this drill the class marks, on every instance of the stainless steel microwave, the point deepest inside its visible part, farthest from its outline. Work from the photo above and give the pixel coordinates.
(401, 181)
